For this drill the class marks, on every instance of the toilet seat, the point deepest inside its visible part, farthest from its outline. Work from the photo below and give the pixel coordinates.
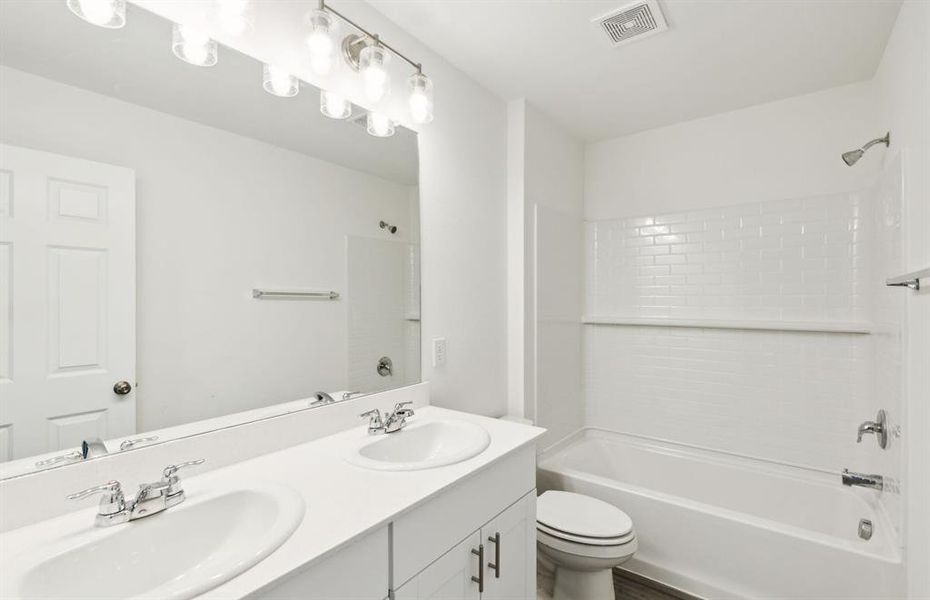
(569, 515)
(613, 552)
(587, 541)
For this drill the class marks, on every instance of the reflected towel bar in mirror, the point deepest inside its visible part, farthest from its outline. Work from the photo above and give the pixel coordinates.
(296, 294)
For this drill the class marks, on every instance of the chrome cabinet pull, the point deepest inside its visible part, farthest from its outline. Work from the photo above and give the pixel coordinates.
(496, 565)
(480, 578)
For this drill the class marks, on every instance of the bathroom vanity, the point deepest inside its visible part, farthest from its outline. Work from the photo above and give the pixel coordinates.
(309, 522)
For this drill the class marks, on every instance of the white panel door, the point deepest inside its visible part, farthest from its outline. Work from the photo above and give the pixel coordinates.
(510, 552)
(67, 301)
(449, 577)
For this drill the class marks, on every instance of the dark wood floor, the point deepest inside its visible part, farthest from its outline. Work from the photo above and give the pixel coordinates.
(630, 586)
(627, 586)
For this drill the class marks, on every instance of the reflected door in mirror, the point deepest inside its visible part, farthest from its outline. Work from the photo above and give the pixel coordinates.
(67, 301)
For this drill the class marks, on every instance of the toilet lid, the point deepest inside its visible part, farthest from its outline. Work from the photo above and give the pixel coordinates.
(580, 515)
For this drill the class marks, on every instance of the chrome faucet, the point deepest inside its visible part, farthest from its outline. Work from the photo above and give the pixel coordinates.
(875, 482)
(93, 448)
(394, 422)
(152, 498)
(375, 423)
(397, 420)
(322, 398)
(879, 427)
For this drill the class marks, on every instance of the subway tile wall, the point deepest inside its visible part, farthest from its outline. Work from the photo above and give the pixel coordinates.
(887, 259)
(791, 397)
(799, 259)
(383, 313)
(786, 396)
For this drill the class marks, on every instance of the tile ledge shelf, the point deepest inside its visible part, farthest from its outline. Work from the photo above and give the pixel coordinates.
(766, 325)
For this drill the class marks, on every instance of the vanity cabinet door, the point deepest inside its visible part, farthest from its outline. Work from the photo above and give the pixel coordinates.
(449, 577)
(510, 552)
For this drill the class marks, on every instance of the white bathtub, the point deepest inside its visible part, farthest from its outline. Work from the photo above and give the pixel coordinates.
(721, 526)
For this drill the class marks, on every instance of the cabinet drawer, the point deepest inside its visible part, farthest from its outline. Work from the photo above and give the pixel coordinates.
(431, 529)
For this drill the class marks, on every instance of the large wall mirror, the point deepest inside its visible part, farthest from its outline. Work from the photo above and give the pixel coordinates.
(181, 250)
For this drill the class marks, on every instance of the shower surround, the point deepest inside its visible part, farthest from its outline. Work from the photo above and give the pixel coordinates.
(757, 330)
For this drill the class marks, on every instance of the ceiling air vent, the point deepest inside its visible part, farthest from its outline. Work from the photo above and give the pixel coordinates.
(635, 21)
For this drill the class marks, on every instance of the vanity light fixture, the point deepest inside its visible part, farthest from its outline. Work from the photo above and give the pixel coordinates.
(335, 106)
(420, 88)
(379, 125)
(320, 41)
(192, 45)
(103, 13)
(372, 64)
(233, 16)
(368, 54)
(279, 82)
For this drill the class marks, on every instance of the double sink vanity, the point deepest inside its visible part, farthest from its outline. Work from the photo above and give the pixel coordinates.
(444, 505)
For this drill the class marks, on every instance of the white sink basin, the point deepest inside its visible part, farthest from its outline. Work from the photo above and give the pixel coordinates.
(422, 446)
(179, 553)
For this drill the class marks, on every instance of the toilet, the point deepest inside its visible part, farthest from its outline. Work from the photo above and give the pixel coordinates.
(584, 538)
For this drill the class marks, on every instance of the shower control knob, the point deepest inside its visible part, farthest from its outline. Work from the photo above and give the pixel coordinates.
(121, 388)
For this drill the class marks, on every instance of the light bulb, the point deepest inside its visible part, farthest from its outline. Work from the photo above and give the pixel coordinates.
(320, 41)
(104, 13)
(193, 45)
(375, 79)
(279, 82)
(233, 16)
(421, 98)
(380, 125)
(335, 106)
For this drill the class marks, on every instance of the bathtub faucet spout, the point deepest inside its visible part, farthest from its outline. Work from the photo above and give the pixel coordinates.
(875, 482)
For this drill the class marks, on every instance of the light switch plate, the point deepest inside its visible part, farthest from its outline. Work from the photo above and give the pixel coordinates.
(439, 352)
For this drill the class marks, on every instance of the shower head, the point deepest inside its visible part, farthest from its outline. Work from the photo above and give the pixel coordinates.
(853, 156)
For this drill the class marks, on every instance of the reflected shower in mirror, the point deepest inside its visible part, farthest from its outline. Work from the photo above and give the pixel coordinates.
(181, 250)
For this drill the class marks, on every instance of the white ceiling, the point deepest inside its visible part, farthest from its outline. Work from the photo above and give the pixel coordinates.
(717, 56)
(135, 64)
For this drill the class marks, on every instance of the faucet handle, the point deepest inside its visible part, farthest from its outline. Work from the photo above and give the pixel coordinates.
(371, 413)
(128, 444)
(399, 409)
(375, 423)
(171, 470)
(171, 479)
(113, 500)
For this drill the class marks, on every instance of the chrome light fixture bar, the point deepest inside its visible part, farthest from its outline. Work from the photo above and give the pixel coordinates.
(366, 52)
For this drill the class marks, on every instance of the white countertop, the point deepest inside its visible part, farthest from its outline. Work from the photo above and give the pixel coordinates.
(344, 502)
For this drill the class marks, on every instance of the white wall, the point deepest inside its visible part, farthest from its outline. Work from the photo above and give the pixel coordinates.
(462, 202)
(903, 86)
(775, 151)
(546, 171)
(218, 214)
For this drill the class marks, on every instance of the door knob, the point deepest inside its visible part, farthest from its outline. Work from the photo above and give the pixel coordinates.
(121, 388)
